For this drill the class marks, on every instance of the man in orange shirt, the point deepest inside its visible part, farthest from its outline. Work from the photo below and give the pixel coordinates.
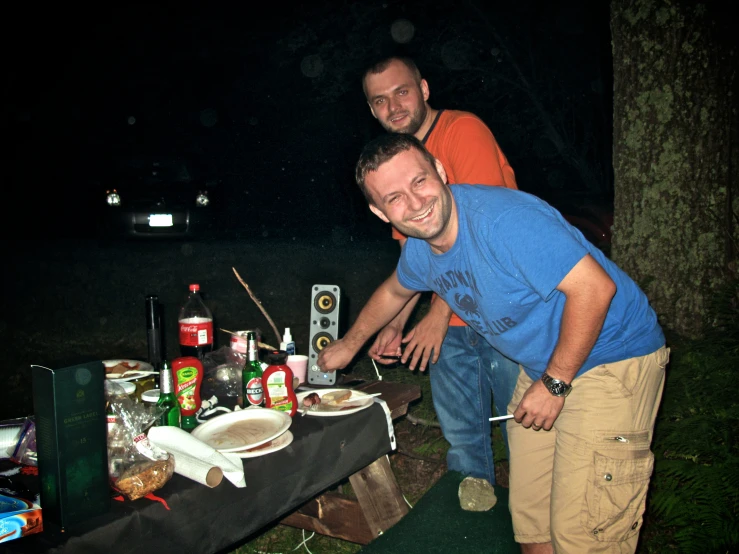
(465, 370)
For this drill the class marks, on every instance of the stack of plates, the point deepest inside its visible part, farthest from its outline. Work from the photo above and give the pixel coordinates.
(247, 433)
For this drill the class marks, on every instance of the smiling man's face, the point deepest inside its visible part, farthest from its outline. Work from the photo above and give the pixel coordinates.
(396, 99)
(410, 193)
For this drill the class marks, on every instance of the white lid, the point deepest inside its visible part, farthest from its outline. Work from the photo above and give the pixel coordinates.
(151, 395)
(127, 386)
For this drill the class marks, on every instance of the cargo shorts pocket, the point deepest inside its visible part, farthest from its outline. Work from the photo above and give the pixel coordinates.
(616, 492)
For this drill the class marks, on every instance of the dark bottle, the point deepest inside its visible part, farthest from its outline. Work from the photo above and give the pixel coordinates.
(196, 325)
(153, 330)
(167, 398)
(251, 375)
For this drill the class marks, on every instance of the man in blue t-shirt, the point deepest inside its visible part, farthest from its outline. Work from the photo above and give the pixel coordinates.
(513, 269)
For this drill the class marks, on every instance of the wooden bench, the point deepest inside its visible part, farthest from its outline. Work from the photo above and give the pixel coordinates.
(379, 504)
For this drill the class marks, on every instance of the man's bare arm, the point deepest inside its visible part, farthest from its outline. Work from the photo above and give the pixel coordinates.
(389, 339)
(384, 304)
(589, 291)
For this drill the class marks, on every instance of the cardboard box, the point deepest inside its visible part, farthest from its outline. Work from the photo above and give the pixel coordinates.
(71, 441)
(20, 512)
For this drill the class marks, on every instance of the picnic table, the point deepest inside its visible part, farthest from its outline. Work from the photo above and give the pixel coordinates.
(194, 518)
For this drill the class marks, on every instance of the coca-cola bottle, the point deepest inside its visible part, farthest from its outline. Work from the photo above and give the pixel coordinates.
(196, 325)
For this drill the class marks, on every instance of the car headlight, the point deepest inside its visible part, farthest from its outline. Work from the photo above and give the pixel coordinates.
(202, 200)
(113, 198)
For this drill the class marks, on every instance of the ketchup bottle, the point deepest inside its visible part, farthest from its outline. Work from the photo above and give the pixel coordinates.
(187, 374)
(277, 384)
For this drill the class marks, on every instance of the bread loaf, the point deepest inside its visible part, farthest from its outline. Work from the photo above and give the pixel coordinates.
(335, 397)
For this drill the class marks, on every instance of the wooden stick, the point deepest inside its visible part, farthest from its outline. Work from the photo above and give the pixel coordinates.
(259, 305)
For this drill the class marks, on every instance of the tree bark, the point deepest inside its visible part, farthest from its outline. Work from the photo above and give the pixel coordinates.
(675, 129)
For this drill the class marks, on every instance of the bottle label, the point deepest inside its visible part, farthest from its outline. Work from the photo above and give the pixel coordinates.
(282, 404)
(187, 378)
(196, 331)
(254, 391)
(277, 386)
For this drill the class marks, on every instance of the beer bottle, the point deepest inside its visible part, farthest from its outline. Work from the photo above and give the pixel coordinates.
(252, 373)
(167, 398)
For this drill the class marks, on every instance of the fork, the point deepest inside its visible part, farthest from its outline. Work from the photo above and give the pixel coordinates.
(312, 407)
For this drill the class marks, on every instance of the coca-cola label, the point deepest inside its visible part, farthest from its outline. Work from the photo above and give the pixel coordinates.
(254, 391)
(196, 331)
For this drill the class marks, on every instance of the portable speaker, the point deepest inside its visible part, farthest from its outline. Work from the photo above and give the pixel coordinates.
(324, 329)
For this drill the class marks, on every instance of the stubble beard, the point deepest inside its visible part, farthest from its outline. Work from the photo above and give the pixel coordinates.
(445, 205)
(412, 127)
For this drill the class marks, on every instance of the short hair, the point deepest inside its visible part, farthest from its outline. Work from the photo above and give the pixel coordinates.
(382, 65)
(383, 149)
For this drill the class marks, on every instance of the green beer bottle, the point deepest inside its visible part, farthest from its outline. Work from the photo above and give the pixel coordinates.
(167, 398)
(251, 375)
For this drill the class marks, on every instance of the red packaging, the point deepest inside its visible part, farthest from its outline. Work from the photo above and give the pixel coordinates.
(277, 384)
(187, 375)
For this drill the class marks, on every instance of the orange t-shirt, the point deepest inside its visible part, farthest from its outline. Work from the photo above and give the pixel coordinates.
(469, 153)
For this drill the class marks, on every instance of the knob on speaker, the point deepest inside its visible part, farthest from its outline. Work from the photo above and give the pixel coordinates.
(324, 329)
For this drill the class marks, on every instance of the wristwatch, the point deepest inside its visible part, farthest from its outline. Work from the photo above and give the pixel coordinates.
(555, 386)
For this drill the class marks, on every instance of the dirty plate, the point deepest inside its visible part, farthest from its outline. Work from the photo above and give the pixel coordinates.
(357, 401)
(127, 370)
(285, 439)
(242, 430)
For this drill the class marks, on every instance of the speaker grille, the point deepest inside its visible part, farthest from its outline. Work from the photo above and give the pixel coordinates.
(324, 329)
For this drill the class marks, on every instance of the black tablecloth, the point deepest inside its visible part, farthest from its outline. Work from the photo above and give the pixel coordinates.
(325, 450)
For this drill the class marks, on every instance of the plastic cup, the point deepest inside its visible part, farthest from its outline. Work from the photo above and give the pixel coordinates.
(299, 365)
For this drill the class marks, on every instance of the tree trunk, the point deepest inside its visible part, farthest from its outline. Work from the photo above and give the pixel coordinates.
(675, 129)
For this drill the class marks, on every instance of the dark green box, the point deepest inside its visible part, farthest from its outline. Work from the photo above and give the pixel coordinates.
(71, 442)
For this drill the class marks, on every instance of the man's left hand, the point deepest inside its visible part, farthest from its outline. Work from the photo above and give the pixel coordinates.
(423, 342)
(538, 408)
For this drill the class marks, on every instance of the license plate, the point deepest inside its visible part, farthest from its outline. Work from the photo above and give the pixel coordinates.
(160, 220)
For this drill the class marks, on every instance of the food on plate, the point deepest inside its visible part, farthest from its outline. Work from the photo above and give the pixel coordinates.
(311, 399)
(119, 367)
(336, 397)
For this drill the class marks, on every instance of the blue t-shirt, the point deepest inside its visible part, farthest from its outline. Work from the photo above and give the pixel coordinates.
(500, 276)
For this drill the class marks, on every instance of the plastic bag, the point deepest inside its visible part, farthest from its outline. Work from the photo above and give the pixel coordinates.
(25, 449)
(135, 466)
(222, 374)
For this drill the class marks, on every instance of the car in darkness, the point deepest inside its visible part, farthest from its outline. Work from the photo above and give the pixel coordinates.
(157, 197)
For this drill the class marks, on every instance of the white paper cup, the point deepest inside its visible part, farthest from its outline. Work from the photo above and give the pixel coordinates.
(299, 365)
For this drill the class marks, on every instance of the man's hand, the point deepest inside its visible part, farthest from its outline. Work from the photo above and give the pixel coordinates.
(335, 355)
(387, 344)
(538, 408)
(427, 336)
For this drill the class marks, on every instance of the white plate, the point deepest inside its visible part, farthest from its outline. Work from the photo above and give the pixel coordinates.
(358, 400)
(142, 369)
(243, 429)
(272, 446)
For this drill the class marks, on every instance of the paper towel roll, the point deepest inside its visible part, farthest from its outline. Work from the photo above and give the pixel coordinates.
(198, 470)
(192, 452)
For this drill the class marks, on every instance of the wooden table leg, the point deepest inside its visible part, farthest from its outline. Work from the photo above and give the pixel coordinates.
(379, 495)
(379, 506)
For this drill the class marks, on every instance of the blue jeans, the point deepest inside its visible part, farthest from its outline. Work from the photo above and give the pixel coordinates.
(462, 380)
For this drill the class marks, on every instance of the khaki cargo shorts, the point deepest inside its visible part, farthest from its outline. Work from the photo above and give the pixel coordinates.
(583, 484)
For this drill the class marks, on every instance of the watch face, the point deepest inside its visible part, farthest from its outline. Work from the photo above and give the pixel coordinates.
(558, 388)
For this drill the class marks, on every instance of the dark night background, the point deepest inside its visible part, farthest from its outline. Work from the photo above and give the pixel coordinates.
(268, 102)
(269, 106)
